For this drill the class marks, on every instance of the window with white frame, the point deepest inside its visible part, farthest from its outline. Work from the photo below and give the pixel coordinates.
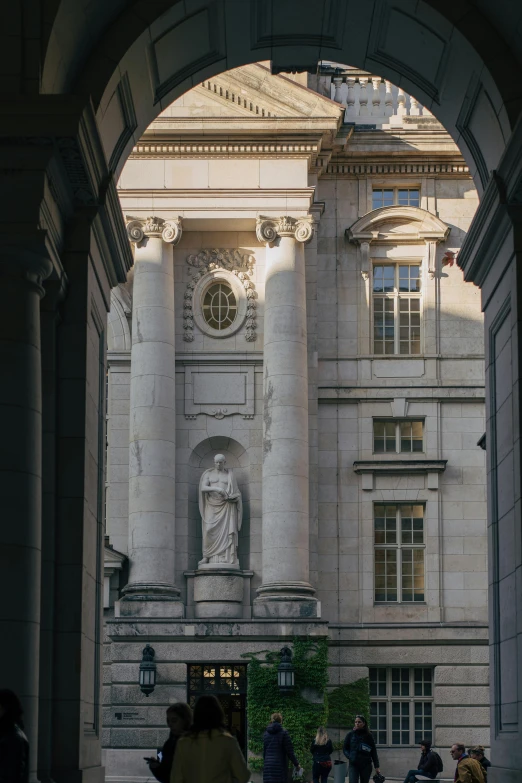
(389, 197)
(398, 437)
(396, 309)
(399, 549)
(401, 705)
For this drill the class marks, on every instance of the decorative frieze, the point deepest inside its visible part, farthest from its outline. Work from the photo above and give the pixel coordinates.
(369, 169)
(208, 150)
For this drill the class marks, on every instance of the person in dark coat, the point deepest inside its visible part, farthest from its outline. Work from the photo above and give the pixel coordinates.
(427, 767)
(14, 747)
(477, 753)
(321, 748)
(359, 748)
(179, 719)
(277, 749)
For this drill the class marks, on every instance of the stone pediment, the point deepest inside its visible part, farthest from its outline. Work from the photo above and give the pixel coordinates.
(112, 559)
(398, 224)
(252, 91)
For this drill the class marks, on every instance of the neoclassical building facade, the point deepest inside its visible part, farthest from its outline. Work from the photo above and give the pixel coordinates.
(295, 409)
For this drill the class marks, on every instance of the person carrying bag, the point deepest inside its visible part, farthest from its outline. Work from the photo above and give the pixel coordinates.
(321, 748)
(359, 748)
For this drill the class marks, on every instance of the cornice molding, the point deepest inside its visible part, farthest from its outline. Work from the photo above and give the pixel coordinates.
(215, 149)
(382, 169)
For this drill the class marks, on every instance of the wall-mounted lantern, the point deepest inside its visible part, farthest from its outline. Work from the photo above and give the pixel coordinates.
(285, 671)
(147, 671)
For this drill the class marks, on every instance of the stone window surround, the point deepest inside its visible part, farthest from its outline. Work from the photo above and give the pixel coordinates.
(395, 612)
(397, 421)
(216, 276)
(389, 699)
(395, 188)
(396, 295)
(373, 229)
(399, 547)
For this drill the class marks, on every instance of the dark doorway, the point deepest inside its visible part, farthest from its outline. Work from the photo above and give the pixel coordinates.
(228, 683)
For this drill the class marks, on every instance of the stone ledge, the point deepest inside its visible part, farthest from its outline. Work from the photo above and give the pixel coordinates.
(400, 466)
(146, 628)
(368, 469)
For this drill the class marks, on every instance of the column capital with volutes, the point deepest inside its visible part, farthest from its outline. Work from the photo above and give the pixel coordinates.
(268, 229)
(168, 230)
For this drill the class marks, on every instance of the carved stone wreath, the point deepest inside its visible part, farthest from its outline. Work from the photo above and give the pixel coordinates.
(206, 261)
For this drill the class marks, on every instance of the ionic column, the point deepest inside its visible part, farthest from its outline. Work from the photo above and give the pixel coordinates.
(285, 427)
(151, 590)
(21, 276)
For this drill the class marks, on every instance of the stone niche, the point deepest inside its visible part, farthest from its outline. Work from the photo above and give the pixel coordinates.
(218, 591)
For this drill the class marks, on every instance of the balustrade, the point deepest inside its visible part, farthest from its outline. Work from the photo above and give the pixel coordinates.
(368, 98)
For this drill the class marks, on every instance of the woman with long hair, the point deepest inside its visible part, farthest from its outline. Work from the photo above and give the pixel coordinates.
(208, 753)
(14, 747)
(321, 748)
(179, 720)
(359, 748)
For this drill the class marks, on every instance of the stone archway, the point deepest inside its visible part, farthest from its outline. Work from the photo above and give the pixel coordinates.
(142, 60)
(130, 60)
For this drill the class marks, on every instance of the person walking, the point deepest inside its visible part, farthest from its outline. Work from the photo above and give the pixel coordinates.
(179, 719)
(208, 753)
(14, 746)
(321, 748)
(277, 750)
(427, 768)
(477, 753)
(359, 748)
(468, 769)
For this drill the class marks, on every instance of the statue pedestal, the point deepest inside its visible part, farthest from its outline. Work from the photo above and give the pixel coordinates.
(219, 592)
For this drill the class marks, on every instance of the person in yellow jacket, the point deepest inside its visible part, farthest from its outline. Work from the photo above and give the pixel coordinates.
(468, 769)
(208, 753)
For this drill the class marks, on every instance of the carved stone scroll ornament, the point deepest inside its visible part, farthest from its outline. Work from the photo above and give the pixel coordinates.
(269, 229)
(241, 265)
(139, 228)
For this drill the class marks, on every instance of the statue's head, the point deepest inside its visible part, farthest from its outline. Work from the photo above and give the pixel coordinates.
(219, 461)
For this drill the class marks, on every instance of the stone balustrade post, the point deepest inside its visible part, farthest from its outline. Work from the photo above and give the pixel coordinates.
(286, 591)
(22, 272)
(151, 590)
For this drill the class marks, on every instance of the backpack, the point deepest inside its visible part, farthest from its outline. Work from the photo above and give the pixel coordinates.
(440, 765)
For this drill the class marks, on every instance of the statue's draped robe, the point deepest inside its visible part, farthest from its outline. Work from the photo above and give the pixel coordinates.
(221, 518)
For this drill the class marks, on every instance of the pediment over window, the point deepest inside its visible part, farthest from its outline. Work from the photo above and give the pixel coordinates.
(398, 224)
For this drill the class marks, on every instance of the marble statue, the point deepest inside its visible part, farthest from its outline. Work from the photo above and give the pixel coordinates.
(221, 508)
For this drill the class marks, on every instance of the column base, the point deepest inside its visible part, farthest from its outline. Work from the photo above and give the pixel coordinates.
(286, 600)
(151, 600)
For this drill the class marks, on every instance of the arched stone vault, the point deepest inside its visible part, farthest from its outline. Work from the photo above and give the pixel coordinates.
(140, 60)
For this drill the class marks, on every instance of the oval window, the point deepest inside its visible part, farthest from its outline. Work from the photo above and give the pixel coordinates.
(219, 306)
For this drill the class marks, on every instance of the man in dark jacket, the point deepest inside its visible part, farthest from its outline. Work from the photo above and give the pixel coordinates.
(277, 749)
(427, 768)
(14, 747)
